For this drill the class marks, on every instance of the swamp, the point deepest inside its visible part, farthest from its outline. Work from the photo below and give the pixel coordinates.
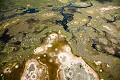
(59, 39)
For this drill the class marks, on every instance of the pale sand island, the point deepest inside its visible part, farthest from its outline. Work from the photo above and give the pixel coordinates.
(61, 56)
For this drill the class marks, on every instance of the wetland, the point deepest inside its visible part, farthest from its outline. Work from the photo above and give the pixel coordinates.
(59, 40)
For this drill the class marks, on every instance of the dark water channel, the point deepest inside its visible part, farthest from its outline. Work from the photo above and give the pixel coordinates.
(67, 17)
